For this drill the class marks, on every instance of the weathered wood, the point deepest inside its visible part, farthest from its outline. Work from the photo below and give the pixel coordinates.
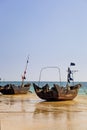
(57, 93)
(14, 89)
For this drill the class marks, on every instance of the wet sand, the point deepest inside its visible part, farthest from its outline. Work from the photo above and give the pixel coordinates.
(28, 112)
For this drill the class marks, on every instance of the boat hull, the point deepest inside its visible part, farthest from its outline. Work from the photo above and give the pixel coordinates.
(11, 89)
(57, 93)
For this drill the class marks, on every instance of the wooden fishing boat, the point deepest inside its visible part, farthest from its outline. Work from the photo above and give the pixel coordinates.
(16, 89)
(57, 92)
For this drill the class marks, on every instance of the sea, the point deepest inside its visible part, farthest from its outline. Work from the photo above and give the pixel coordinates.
(82, 90)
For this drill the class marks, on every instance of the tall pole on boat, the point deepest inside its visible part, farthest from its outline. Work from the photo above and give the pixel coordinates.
(69, 77)
(23, 76)
(0, 80)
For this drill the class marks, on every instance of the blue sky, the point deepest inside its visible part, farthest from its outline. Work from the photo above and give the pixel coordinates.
(52, 32)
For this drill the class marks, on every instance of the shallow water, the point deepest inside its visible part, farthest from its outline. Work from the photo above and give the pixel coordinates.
(28, 112)
(82, 90)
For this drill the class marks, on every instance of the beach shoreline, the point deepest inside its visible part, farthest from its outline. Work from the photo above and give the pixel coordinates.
(27, 111)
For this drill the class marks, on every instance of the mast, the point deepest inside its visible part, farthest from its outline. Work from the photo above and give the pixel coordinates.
(23, 76)
(0, 80)
(70, 74)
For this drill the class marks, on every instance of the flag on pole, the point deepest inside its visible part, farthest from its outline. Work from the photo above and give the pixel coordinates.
(72, 64)
(69, 75)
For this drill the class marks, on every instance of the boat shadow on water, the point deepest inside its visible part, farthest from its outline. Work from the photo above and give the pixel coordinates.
(59, 109)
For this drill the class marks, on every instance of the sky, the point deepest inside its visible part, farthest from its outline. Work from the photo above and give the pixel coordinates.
(51, 32)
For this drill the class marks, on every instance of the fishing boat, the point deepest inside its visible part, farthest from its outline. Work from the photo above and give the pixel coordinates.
(14, 89)
(58, 92)
(23, 88)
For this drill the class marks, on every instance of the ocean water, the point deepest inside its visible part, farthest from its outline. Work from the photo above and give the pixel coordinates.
(82, 90)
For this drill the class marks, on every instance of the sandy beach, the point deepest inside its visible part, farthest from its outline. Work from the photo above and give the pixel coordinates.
(28, 112)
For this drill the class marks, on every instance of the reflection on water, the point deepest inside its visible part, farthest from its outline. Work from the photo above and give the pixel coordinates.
(16, 103)
(59, 109)
(28, 111)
